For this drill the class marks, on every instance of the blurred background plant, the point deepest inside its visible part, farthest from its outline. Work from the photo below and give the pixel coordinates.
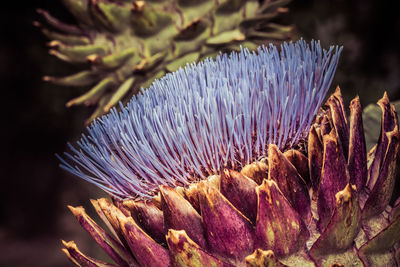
(35, 192)
(121, 46)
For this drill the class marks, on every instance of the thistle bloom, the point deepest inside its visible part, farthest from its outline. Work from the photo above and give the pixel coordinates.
(234, 162)
(208, 116)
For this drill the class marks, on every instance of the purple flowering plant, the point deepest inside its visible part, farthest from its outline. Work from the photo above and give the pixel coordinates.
(236, 161)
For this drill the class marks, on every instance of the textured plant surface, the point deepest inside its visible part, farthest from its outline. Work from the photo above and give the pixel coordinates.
(124, 45)
(309, 194)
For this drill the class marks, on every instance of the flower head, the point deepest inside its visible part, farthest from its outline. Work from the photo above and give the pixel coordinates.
(240, 125)
(205, 117)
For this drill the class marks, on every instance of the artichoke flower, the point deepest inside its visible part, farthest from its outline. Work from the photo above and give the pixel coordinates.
(123, 45)
(237, 162)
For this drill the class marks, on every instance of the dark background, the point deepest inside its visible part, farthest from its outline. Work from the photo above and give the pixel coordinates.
(34, 191)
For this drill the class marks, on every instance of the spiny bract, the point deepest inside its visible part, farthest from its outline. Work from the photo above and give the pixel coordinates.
(272, 202)
(217, 114)
(124, 44)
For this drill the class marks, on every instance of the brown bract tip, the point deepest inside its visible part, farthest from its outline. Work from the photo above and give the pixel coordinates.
(54, 44)
(207, 192)
(355, 102)
(173, 235)
(282, 9)
(70, 103)
(94, 202)
(107, 108)
(103, 202)
(138, 6)
(393, 110)
(384, 101)
(213, 181)
(141, 65)
(69, 245)
(258, 253)
(93, 58)
(345, 194)
(76, 210)
(395, 133)
(266, 186)
(129, 204)
(262, 258)
(331, 137)
(257, 171)
(156, 200)
(123, 220)
(165, 190)
(338, 92)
